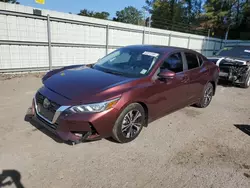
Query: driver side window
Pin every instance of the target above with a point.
(173, 63)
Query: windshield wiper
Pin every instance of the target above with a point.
(113, 72)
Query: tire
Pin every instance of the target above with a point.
(207, 96)
(246, 81)
(128, 126)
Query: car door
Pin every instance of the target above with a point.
(170, 94)
(196, 73)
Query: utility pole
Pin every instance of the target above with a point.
(144, 27)
(149, 25)
(226, 36)
(149, 21)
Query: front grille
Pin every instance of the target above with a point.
(48, 112)
(47, 124)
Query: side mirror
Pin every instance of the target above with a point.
(166, 74)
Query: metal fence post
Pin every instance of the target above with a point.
(215, 42)
(203, 50)
(188, 42)
(221, 43)
(208, 40)
(143, 36)
(49, 42)
(169, 39)
(107, 39)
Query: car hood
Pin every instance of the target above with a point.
(82, 82)
(233, 58)
(218, 59)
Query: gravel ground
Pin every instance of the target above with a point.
(189, 148)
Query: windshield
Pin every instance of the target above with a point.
(240, 52)
(128, 62)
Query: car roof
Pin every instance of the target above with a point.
(159, 48)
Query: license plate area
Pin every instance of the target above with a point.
(223, 74)
(46, 113)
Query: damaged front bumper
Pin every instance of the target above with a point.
(77, 128)
(232, 70)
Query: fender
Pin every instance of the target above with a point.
(218, 62)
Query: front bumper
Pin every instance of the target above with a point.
(78, 127)
(223, 75)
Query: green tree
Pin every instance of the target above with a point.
(164, 13)
(129, 15)
(10, 1)
(180, 15)
(241, 30)
(223, 15)
(197, 16)
(100, 15)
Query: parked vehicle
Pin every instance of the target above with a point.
(234, 63)
(123, 92)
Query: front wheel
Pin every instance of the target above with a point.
(129, 124)
(246, 82)
(207, 96)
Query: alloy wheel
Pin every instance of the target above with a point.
(132, 123)
(208, 95)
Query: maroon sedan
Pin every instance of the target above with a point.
(123, 92)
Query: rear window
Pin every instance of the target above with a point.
(192, 60)
(200, 60)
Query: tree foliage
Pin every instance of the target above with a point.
(100, 15)
(242, 30)
(200, 15)
(221, 16)
(175, 14)
(10, 1)
(129, 15)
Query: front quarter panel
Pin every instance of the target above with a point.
(143, 93)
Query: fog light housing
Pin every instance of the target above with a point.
(80, 135)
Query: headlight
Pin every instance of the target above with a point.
(96, 107)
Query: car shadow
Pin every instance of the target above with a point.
(13, 175)
(110, 139)
(244, 128)
(225, 83)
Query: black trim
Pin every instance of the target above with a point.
(45, 124)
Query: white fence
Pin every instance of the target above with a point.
(52, 39)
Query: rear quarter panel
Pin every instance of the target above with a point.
(213, 72)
